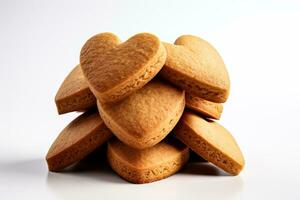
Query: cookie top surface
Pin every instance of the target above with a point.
(150, 112)
(165, 151)
(212, 70)
(73, 84)
(197, 60)
(76, 131)
(114, 67)
(214, 134)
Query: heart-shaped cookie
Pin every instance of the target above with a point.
(74, 93)
(206, 108)
(211, 141)
(144, 118)
(114, 71)
(195, 66)
(147, 165)
(77, 140)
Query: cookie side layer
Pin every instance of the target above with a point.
(203, 107)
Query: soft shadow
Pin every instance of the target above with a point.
(212, 182)
(94, 179)
(99, 171)
(194, 157)
(33, 168)
(84, 179)
(93, 167)
(203, 168)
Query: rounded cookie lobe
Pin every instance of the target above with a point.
(147, 165)
(195, 66)
(211, 141)
(144, 118)
(206, 108)
(74, 93)
(121, 69)
(78, 139)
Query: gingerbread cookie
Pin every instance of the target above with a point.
(74, 93)
(77, 140)
(114, 70)
(211, 141)
(206, 108)
(195, 66)
(144, 118)
(147, 165)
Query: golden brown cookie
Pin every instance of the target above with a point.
(211, 141)
(74, 93)
(78, 139)
(195, 66)
(114, 71)
(144, 118)
(147, 165)
(206, 108)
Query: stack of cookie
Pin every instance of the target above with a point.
(151, 102)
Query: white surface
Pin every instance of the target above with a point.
(259, 41)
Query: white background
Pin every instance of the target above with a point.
(259, 41)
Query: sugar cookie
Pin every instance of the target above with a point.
(74, 93)
(206, 108)
(114, 71)
(144, 118)
(78, 139)
(195, 66)
(211, 141)
(147, 165)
